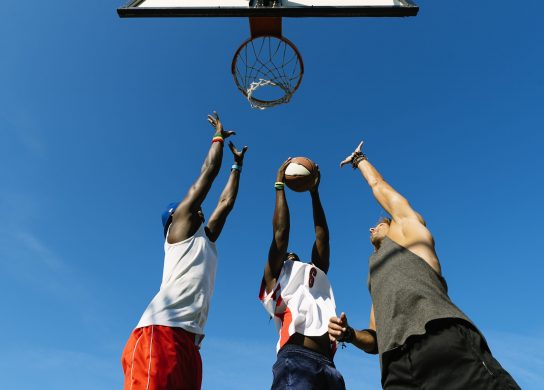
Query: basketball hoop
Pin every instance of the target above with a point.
(267, 68)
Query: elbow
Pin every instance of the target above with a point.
(281, 235)
(227, 204)
(322, 237)
(375, 183)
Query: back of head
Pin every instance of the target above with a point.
(167, 216)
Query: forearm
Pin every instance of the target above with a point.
(392, 202)
(320, 221)
(281, 221)
(212, 162)
(370, 174)
(365, 340)
(230, 192)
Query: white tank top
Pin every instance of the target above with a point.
(301, 301)
(187, 285)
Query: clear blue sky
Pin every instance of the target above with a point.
(103, 122)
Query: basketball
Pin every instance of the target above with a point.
(301, 174)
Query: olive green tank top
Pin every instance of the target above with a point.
(407, 293)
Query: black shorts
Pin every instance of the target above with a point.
(451, 355)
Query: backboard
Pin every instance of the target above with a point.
(281, 8)
(267, 68)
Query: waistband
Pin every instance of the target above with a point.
(197, 338)
(299, 349)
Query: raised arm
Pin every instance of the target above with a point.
(392, 202)
(280, 236)
(365, 339)
(228, 197)
(321, 248)
(185, 220)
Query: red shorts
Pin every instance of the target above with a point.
(161, 358)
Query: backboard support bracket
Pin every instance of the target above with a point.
(265, 26)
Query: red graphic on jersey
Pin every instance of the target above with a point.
(311, 280)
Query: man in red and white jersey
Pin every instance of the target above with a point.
(300, 299)
(162, 353)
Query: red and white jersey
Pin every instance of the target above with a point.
(187, 285)
(301, 301)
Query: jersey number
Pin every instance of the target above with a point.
(311, 278)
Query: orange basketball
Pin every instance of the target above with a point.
(301, 174)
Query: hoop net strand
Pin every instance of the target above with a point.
(267, 63)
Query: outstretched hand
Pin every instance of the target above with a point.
(280, 177)
(337, 327)
(216, 123)
(238, 155)
(349, 158)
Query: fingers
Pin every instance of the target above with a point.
(335, 328)
(358, 149)
(344, 319)
(347, 160)
(213, 119)
(237, 154)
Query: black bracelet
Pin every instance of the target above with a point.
(347, 336)
(357, 158)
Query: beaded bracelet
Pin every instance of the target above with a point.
(357, 158)
(279, 185)
(217, 138)
(237, 167)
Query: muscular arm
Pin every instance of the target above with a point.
(227, 198)
(200, 188)
(392, 202)
(321, 248)
(280, 236)
(407, 227)
(185, 220)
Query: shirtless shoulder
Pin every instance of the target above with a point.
(413, 235)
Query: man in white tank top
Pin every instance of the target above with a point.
(299, 297)
(162, 352)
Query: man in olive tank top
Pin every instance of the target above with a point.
(423, 339)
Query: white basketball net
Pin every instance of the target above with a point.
(267, 63)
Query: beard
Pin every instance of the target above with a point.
(376, 240)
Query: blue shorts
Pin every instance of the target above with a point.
(300, 368)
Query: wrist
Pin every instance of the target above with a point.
(348, 336)
(357, 158)
(279, 185)
(218, 137)
(236, 167)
